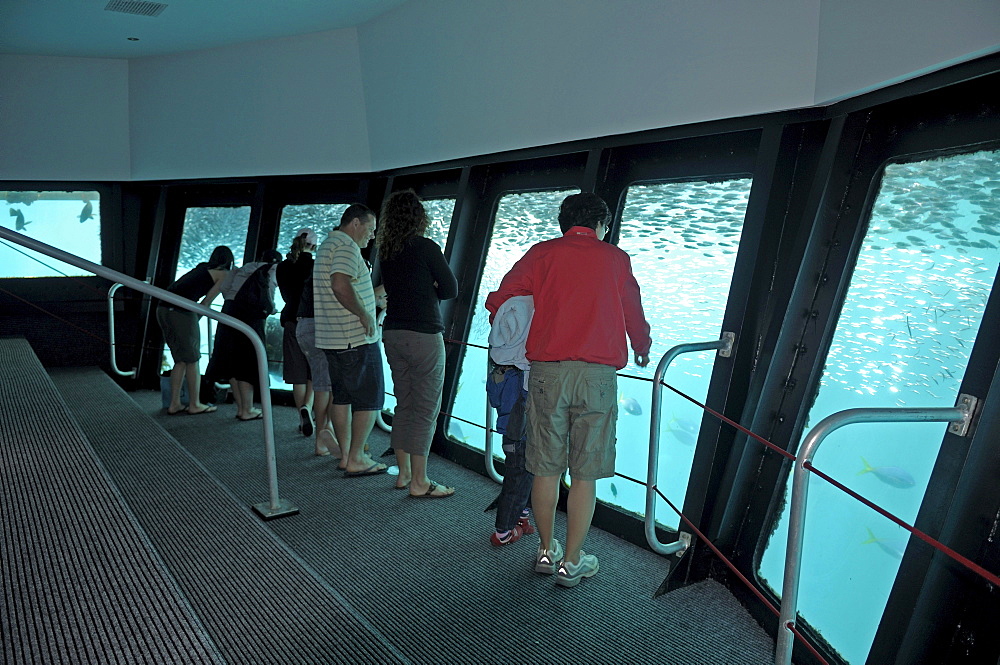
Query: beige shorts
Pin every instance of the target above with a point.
(572, 413)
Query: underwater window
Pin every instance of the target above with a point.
(70, 221)
(204, 230)
(682, 238)
(522, 219)
(439, 214)
(321, 218)
(910, 318)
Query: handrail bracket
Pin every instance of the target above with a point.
(968, 405)
(729, 340)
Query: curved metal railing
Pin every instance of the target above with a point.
(275, 506)
(958, 415)
(111, 331)
(724, 345)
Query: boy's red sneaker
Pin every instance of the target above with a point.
(512, 536)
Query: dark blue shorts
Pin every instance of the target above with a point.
(356, 377)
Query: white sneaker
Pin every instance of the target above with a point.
(569, 574)
(546, 561)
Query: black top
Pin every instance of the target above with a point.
(194, 284)
(305, 310)
(291, 276)
(409, 279)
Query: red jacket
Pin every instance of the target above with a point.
(586, 299)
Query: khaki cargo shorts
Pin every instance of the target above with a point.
(572, 413)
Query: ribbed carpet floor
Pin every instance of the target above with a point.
(419, 575)
(81, 582)
(255, 597)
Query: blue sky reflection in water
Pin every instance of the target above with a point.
(910, 319)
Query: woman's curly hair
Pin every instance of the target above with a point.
(403, 217)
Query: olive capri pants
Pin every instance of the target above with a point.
(417, 364)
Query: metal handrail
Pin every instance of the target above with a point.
(725, 346)
(491, 468)
(275, 507)
(800, 489)
(379, 419)
(111, 331)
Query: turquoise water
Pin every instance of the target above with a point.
(70, 221)
(909, 322)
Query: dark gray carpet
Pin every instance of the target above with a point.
(256, 598)
(81, 583)
(424, 573)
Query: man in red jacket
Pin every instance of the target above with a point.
(586, 301)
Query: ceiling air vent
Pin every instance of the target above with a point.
(140, 7)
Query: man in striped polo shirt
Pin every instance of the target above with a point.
(344, 302)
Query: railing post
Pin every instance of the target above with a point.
(275, 507)
(800, 491)
(111, 331)
(724, 346)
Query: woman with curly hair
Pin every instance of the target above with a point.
(416, 278)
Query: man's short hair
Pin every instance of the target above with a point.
(584, 209)
(355, 210)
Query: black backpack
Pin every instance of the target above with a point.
(254, 297)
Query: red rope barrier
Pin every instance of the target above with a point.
(971, 565)
(775, 448)
(461, 343)
(976, 568)
(982, 572)
(729, 564)
(454, 417)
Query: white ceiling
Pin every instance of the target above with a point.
(83, 28)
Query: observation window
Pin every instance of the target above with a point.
(522, 219)
(439, 214)
(321, 218)
(682, 238)
(70, 221)
(910, 319)
(204, 230)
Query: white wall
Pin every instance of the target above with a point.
(280, 106)
(63, 118)
(865, 45)
(442, 79)
(452, 78)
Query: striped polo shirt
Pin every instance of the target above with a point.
(336, 327)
